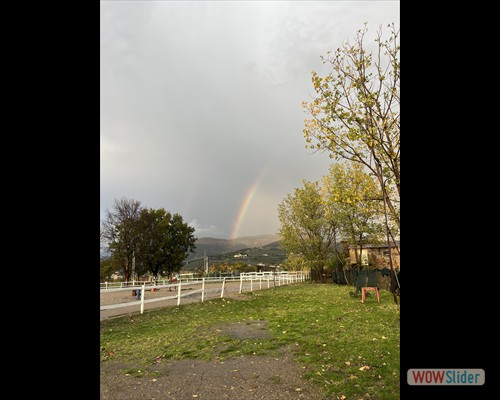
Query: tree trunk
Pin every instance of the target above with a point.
(126, 272)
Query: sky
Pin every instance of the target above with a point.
(201, 104)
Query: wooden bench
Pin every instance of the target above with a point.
(365, 288)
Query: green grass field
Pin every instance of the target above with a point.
(348, 348)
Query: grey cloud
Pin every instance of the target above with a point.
(198, 98)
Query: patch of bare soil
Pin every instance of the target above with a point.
(245, 330)
(239, 378)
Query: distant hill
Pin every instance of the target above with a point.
(251, 250)
(268, 254)
(213, 246)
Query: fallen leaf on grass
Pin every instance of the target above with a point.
(364, 368)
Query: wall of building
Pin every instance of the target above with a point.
(378, 256)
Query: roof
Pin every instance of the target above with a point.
(377, 246)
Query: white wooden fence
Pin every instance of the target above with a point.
(162, 282)
(249, 281)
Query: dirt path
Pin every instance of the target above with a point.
(241, 378)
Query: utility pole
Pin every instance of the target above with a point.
(133, 264)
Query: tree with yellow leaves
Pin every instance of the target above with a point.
(308, 234)
(355, 115)
(351, 196)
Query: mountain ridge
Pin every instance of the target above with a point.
(214, 246)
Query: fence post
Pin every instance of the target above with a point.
(251, 283)
(143, 289)
(179, 293)
(268, 281)
(203, 290)
(260, 282)
(106, 284)
(222, 290)
(241, 282)
(121, 285)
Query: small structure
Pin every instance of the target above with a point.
(374, 270)
(376, 255)
(239, 255)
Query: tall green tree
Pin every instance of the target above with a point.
(120, 231)
(164, 241)
(305, 228)
(356, 112)
(295, 262)
(353, 197)
(107, 268)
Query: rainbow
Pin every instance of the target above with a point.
(244, 206)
